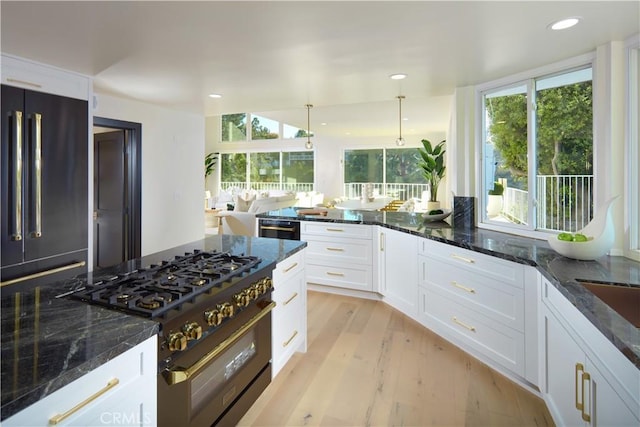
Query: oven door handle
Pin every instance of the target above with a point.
(178, 374)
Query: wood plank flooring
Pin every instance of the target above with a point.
(369, 365)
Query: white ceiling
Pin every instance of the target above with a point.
(276, 56)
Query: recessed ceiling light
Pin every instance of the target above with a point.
(398, 76)
(563, 24)
(215, 95)
(323, 123)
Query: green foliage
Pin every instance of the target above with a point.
(432, 165)
(564, 127)
(234, 167)
(261, 132)
(363, 165)
(234, 127)
(209, 163)
(498, 189)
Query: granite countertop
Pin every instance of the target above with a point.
(562, 272)
(48, 341)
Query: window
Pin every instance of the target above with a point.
(264, 128)
(234, 127)
(633, 148)
(538, 145)
(274, 170)
(393, 172)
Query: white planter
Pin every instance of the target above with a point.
(494, 205)
(432, 206)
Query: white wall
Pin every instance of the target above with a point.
(172, 170)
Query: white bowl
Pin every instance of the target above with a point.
(586, 251)
(437, 217)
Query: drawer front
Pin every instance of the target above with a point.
(339, 250)
(499, 301)
(114, 384)
(335, 230)
(498, 342)
(475, 262)
(289, 322)
(344, 277)
(288, 268)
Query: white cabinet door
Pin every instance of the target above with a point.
(398, 263)
(564, 369)
(606, 408)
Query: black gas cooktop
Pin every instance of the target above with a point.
(153, 291)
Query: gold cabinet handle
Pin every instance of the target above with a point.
(267, 227)
(61, 417)
(288, 269)
(287, 342)
(586, 377)
(461, 258)
(335, 229)
(579, 405)
(464, 288)
(24, 82)
(290, 299)
(464, 325)
(178, 374)
(37, 164)
(335, 249)
(330, 273)
(17, 196)
(43, 273)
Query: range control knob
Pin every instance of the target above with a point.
(177, 341)
(268, 283)
(213, 317)
(192, 331)
(226, 309)
(242, 299)
(257, 289)
(252, 292)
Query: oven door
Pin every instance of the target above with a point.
(279, 229)
(218, 386)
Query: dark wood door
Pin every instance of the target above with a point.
(110, 210)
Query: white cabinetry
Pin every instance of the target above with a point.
(120, 392)
(580, 388)
(398, 270)
(478, 302)
(289, 317)
(339, 255)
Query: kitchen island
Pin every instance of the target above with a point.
(50, 340)
(562, 272)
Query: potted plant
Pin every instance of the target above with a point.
(433, 168)
(209, 163)
(494, 203)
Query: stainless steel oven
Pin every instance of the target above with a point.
(279, 229)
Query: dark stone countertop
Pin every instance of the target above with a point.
(48, 341)
(562, 272)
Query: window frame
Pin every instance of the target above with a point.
(527, 78)
(632, 151)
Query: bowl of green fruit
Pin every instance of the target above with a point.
(436, 215)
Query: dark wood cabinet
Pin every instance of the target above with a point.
(44, 182)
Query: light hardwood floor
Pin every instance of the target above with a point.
(369, 365)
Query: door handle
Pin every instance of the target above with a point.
(579, 405)
(17, 196)
(37, 164)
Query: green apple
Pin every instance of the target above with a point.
(566, 237)
(580, 238)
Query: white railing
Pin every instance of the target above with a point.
(397, 191)
(267, 186)
(564, 202)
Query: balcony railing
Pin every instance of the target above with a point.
(353, 190)
(269, 186)
(564, 202)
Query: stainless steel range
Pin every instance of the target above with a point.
(214, 351)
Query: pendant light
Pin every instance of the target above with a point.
(308, 144)
(400, 140)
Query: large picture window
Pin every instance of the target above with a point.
(393, 172)
(273, 170)
(538, 153)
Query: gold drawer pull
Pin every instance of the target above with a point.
(286, 270)
(586, 377)
(464, 325)
(335, 249)
(461, 258)
(335, 229)
(287, 342)
(43, 273)
(579, 405)
(464, 288)
(61, 417)
(23, 82)
(290, 299)
(330, 273)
